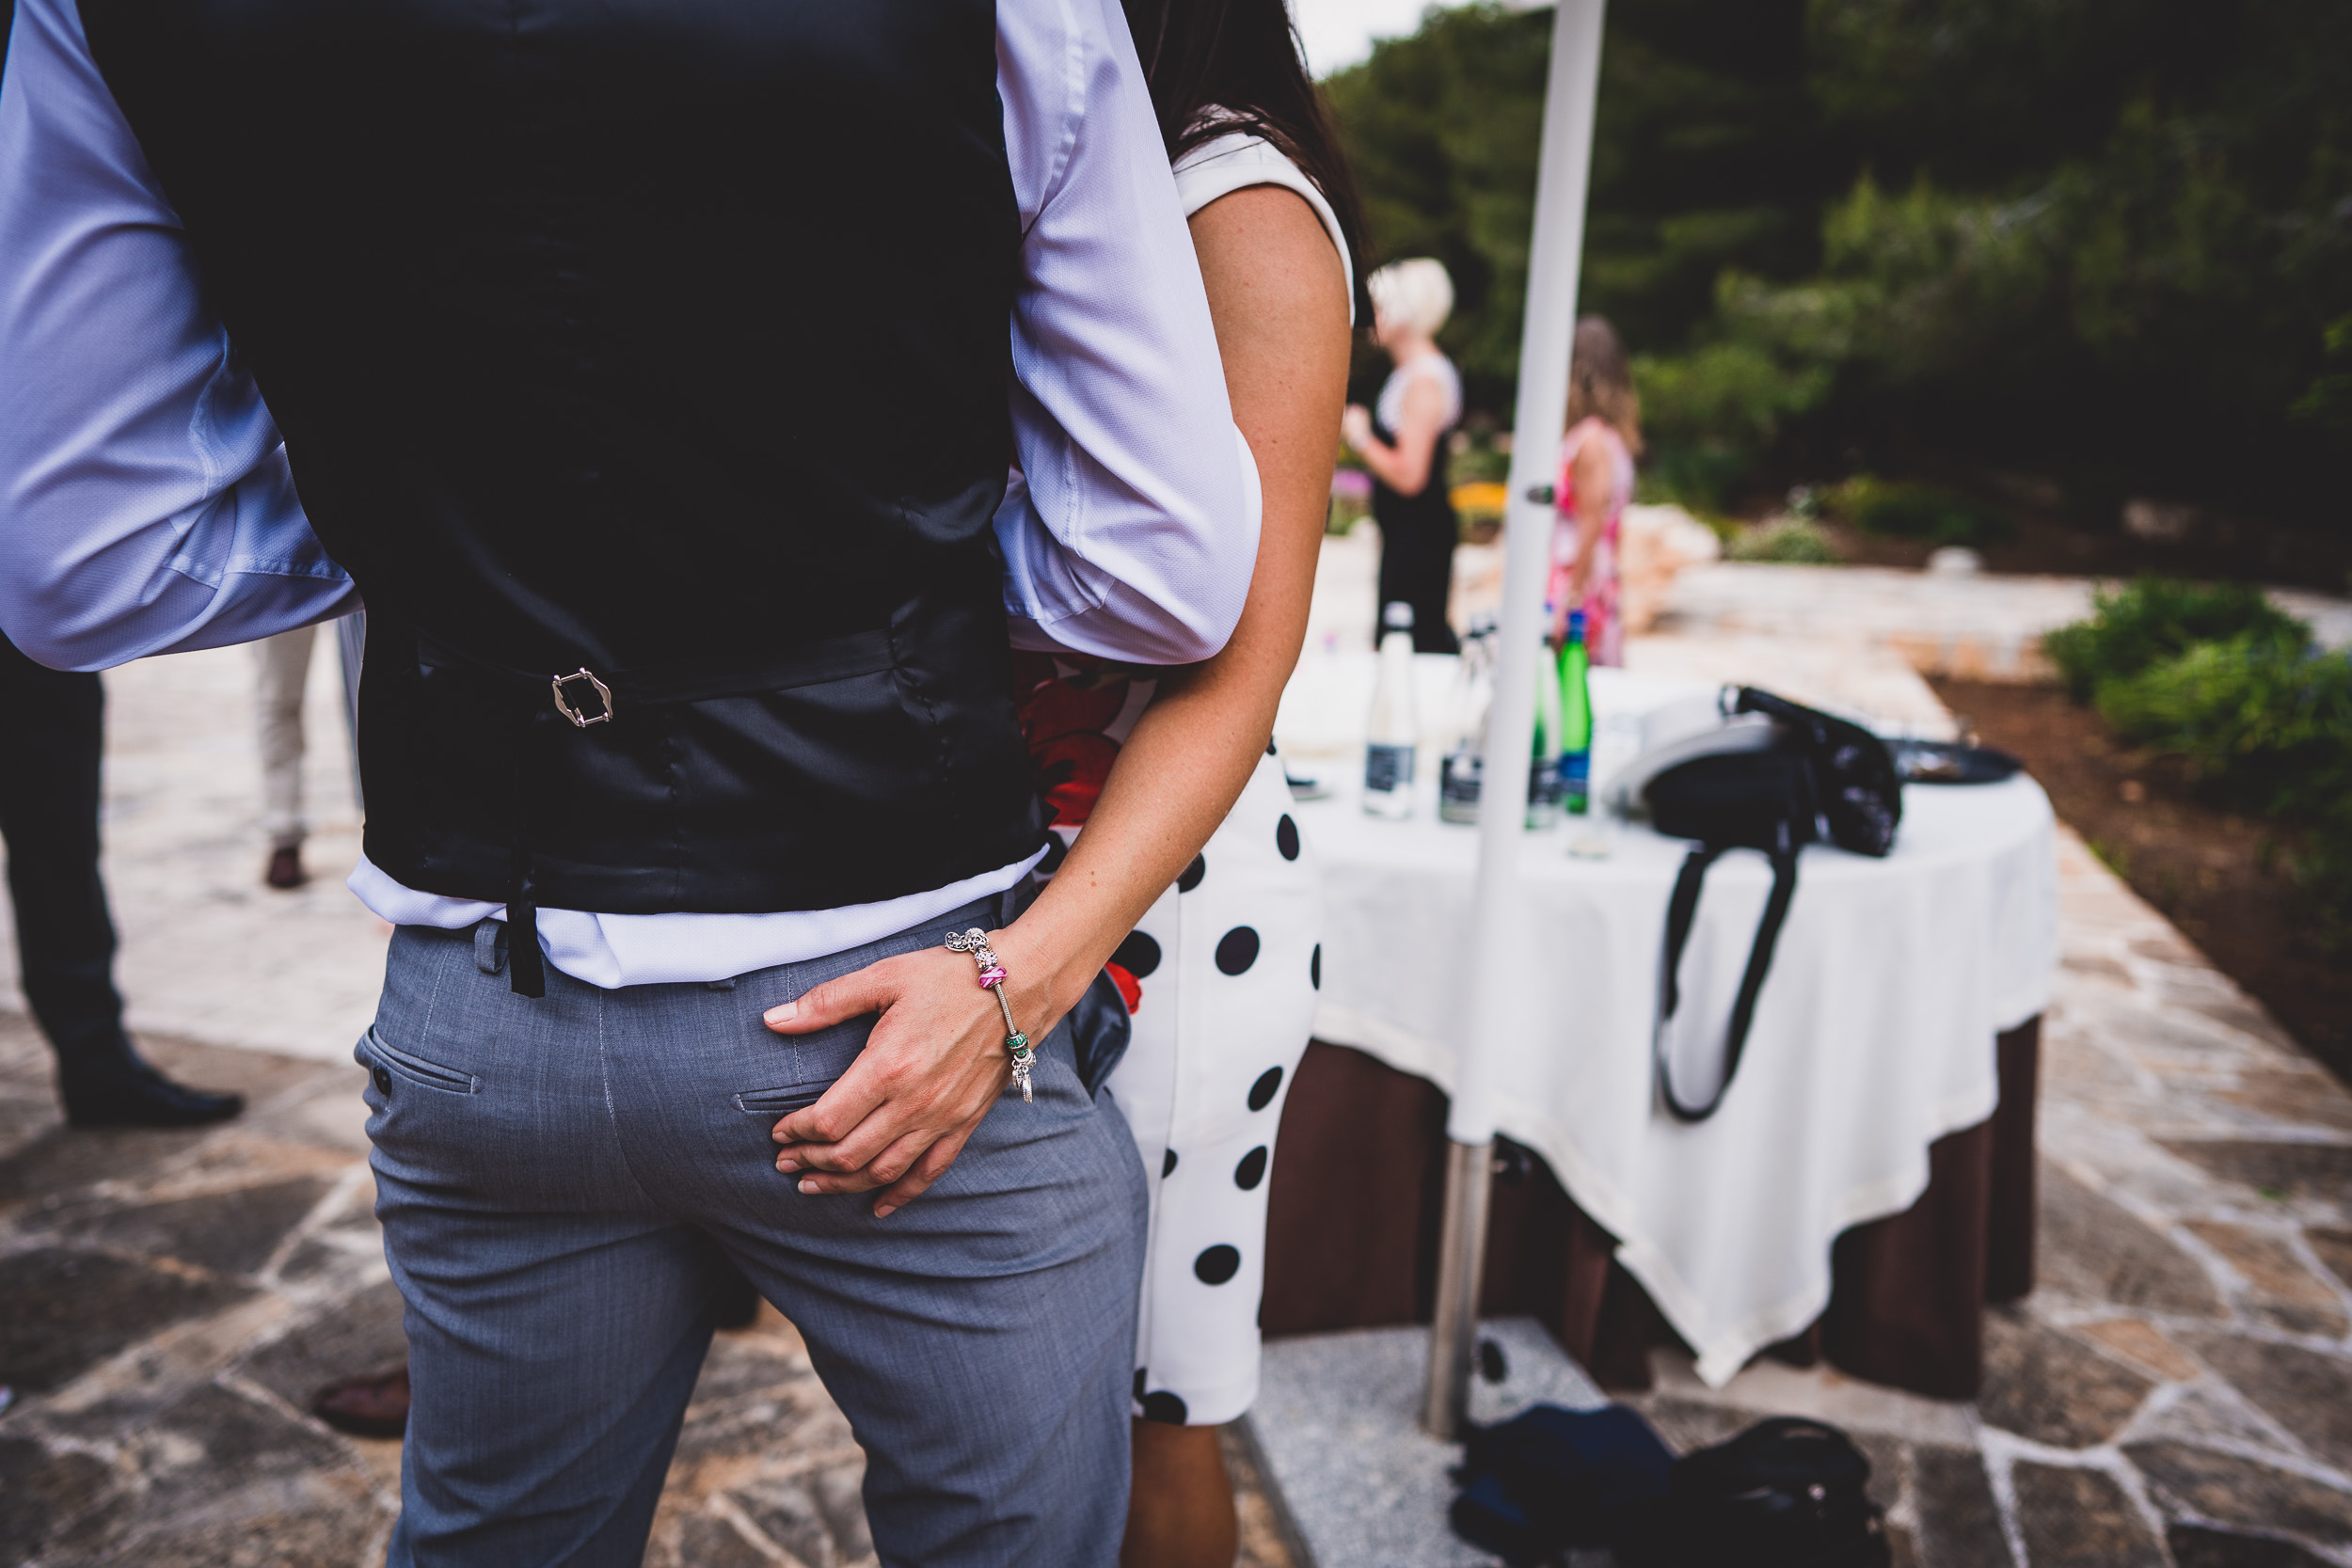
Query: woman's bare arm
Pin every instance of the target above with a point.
(1594, 479)
(1404, 467)
(1279, 300)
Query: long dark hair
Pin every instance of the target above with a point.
(1219, 66)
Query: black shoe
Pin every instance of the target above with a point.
(138, 1095)
(284, 871)
(373, 1404)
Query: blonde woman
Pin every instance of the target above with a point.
(1596, 483)
(1402, 440)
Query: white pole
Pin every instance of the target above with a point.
(1553, 260)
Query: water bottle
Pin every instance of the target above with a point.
(1465, 762)
(1543, 763)
(1575, 719)
(1395, 727)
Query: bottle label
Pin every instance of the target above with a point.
(1576, 770)
(1388, 768)
(1543, 782)
(1457, 787)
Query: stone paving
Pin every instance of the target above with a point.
(207, 953)
(2178, 1391)
(173, 1299)
(1961, 624)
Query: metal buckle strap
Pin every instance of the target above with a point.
(563, 704)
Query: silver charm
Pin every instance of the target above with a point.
(974, 942)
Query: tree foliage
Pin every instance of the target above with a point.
(2108, 239)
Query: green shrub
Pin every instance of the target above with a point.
(2267, 724)
(1709, 412)
(1897, 511)
(1783, 542)
(2267, 721)
(2156, 619)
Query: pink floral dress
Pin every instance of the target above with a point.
(1604, 633)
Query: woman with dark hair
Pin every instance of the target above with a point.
(1596, 482)
(1220, 971)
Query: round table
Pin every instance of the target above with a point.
(1874, 1035)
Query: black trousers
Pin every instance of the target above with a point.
(65, 940)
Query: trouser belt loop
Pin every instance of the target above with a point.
(525, 972)
(489, 945)
(526, 968)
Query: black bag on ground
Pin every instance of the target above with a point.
(1821, 777)
(1550, 1479)
(1787, 1493)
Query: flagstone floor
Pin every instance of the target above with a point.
(2177, 1391)
(173, 1299)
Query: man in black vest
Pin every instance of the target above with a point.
(650, 369)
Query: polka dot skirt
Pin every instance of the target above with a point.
(1226, 963)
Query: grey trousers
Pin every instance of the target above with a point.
(558, 1179)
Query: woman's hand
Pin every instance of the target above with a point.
(1356, 426)
(935, 1065)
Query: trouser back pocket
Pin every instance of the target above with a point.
(779, 1103)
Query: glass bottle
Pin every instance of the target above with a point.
(1395, 728)
(1465, 762)
(1575, 719)
(1543, 763)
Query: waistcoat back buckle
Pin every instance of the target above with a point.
(564, 704)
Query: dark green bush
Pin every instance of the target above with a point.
(2156, 619)
(2267, 721)
(2268, 725)
(1897, 511)
(1786, 542)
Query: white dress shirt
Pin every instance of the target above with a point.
(147, 505)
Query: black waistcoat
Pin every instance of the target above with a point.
(662, 339)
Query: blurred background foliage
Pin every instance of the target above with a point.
(2107, 242)
(2221, 678)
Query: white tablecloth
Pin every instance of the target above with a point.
(1873, 1037)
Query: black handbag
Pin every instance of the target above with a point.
(1787, 1493)
(1551, 1478)
(1820, 778)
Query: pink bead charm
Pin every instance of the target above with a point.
(990, 977)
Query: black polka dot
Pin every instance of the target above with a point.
(1286, 837)
(1193, 873)
(1167, 1164)
(1217, 1264)
(1140, 1383)
(1261, 1092)
(1056, 852)
(1163, 1406)
(1314, 968)
(1251, 1170)
(1138, 955)
(1236, 950)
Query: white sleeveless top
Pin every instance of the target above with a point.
(1437, 367)
(1240, 159)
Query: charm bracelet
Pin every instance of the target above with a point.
(975, 942)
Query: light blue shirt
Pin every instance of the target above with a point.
(147, 505)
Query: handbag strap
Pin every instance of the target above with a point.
(1681, 912)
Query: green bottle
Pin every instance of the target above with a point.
(1575, 719)
(1543, 765)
